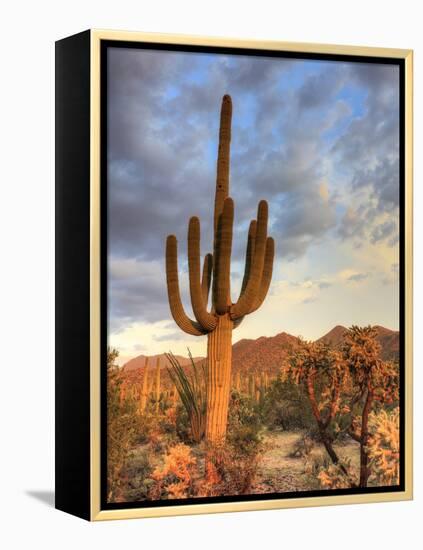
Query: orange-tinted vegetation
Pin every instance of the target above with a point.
(301, 416)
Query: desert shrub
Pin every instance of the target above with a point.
(332, 476)
(145, 425)
(231, 469)
(167, 420)
(245, 439)
(384, 447)
(243, 412)
(122, 425)
(302, 447)
(137, 475)
(313, 465)
(160, 426)
(182, 425)
(321, 473)
(245, 429)
(177, 477)
(285, 407)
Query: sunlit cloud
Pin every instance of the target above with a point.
(318, 141)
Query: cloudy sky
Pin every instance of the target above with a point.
(317, 139)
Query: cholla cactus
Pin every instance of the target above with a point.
(384, 446)
(223, 315)
(376, 380)
(313, 364)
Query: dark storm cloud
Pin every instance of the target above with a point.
(160, 171)
(321, 87)
(137, 291)
(163, 118)
(369, 151)
(307, 218)
(382, 180)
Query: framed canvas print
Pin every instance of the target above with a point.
(234, 275)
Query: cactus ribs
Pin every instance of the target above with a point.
(223, 316)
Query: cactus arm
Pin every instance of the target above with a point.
(221, 281)
(206, 277)
(174, 296)
(267, 273)
(248, 259)
(247, 300)
(206, 320)
(249, 254)
(222, 178)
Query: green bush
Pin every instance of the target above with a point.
(284, 406)
(137, 477)
(183, 425)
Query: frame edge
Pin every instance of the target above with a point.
(96, 513)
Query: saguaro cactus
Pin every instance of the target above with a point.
(238, 381)
(251, 386)
(223, 315)
(145, 388)
(157, 384)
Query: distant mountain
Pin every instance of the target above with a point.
(334, 337)
(265, 354)
(390, 342)
(388, 339)
(132, 371)
(139, 361)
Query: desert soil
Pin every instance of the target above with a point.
(281, 472)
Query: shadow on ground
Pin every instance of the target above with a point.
(46, 497)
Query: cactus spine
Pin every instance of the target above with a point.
(223, 316)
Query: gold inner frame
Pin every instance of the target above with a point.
(95, 355)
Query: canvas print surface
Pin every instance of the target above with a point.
(253, 271)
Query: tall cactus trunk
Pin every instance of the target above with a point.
(223, 315)
(219, 357)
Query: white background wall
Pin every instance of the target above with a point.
(28, 32)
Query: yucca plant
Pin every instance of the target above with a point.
(192, 392)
